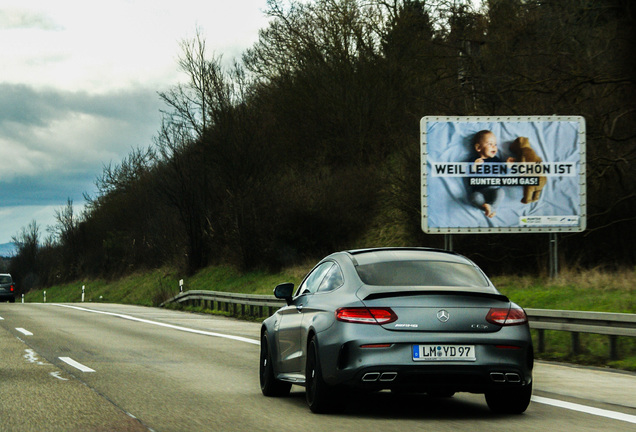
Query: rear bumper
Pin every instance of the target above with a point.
(438, 378)
(503, 359)
(4, 296)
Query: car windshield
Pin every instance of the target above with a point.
(5, 279)
(421, 273)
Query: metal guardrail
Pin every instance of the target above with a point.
(233, 303)
(575, 322)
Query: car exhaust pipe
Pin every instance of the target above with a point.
(371, 377)
(513, 378)
(498, 377)
(377, 376)
(388, 376)
(509, 377)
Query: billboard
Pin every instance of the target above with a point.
(503, 174)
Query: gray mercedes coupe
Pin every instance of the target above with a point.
(405, 319)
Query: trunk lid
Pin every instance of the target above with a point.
(440, 309)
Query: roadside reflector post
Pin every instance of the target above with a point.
(22, 298)
(83, 289)
(44, 296)
(181, 285)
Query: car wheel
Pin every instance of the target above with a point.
(321, 397)
(270, 386)
(509, 401)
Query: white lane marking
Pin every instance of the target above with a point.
(1, 319)
(175, 327)
(23, 331)
(69, 361)
(32, 357)
(585, 409)
(57, 375)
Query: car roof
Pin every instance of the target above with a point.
(375, 255)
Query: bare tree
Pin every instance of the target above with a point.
(27, 240)
(24, 266)
(197, 104)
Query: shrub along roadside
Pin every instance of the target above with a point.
(591, 290)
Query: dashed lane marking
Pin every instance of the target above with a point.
(69, 361)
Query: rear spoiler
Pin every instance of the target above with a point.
(367, 293)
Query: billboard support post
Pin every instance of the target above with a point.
(554, 255)
(448, 242)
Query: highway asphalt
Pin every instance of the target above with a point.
(106, 367)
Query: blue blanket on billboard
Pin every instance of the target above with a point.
(448, 200)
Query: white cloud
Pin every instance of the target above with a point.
(24, 19)
(16, 218)
(79, 83)
(49, 132)
(115, 44)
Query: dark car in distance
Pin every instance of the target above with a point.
(7, 288)
(405, 319)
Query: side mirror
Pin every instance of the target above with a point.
(284, 291)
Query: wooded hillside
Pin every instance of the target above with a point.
(310, 144)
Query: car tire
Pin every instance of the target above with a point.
(511, 401)
(321, 397)
(270, 386)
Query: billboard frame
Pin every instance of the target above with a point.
(581, 175)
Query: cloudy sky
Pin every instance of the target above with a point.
(78, 88)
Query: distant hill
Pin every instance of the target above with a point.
(7, 249)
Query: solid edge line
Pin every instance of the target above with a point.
(172, 326)
(585, 409)
(69, 361)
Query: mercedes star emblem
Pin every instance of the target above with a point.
(443, 316)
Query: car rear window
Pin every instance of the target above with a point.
(421, 273)
(5, 279)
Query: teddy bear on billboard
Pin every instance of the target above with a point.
(523, 152)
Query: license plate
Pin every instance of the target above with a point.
(444, 353)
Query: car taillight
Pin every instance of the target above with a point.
(362, 315)
(11, 288)
(507, 317)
